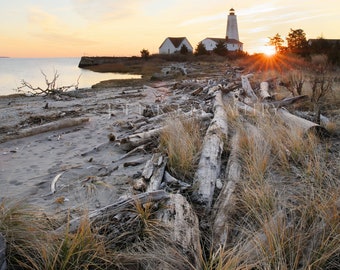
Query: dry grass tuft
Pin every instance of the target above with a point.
(181, 140)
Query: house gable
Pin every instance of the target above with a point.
(174, 44)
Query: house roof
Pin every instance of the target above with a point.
(228, 41)
(332, 41)
(233, 41)
(216, 39)
(176, 41)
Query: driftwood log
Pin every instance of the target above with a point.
(226, 201)
(180, 218)
(132, 141)
(113, 209)
(264, 87)
(300, 123)
(158, 167)
(247, 87)
(56, 125)
(210, 161)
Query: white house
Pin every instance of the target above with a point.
(230, 44)
(174, 44)
(210, 43)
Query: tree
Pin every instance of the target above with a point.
(221, 49)
(297, 42)
(184, 49)
(200, 49)
(144, 54)
(277, 42)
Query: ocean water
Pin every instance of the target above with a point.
(14, 70)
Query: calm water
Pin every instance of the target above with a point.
(13, 70)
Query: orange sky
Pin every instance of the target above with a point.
(40, 28)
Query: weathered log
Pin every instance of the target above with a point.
(113, 209)
(247, 87)
(159, 163)
(226, 201)
(264, 87)
(288, 101)
(182, 222)
(209, 165)
(244, 108)
(300, 123)
(138, 139)
(174, 183)
(56, 125)
(310, 116)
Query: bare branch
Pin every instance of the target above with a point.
(51, 86)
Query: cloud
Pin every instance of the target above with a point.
(258, 29)
(100, 10)
(52, 29)
(203, 19)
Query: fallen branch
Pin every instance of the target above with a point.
(56, 125)
(115, 208)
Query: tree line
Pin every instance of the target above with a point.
(298, 44)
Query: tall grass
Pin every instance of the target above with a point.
(181, 140)
(287, 207)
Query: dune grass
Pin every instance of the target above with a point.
(287, 209)
(181, 141)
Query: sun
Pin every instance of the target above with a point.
(269, 50)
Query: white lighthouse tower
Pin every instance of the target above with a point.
(232, 29)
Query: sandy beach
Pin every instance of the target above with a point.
(87, 165)
(90, 171)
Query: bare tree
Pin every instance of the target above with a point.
(51, 86)
(322, 83)
(295, 82)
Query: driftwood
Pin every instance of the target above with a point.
(132, 141)
(226, 201)
(115, 208)
(56, 125)
(210, 161)
(173, 183)
(324, 121)
(247, 87)
(54, 182)
(300, 123)
(182, 222)
(287, 101)
(264, 87)
(159, 163)
(135, 140)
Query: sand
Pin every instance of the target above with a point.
(89, 168)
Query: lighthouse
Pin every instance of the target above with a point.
(232, 29)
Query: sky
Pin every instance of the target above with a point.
(74, 28)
